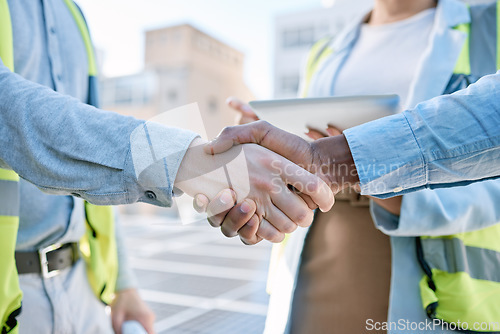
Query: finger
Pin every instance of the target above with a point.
(333, 130)
(248, 233)
(306, 183)
(237, 217)
(243, 108)
(219, 206)
(305, 198)
(293, 207)
(200, 203)
(268, 232)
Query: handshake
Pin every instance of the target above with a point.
(278, 182)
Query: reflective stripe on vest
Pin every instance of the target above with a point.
(98, 243)
(461, 284)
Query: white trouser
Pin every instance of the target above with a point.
(64, 304)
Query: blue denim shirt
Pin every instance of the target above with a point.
(61, 145)
(446, 141)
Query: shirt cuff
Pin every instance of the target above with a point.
(156, 152)
(387, 157)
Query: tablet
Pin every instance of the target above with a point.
(295, 115)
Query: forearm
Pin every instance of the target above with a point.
(66, 147)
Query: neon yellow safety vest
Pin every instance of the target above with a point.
(461, 285)
(98, 246)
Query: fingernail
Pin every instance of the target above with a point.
(199, 202)
(245, 207)
(226, 197)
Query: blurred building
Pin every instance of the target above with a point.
(181, 65)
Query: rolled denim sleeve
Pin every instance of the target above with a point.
(447, 141)
(66, 147)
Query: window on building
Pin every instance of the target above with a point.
(298, 37)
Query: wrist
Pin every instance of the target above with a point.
(333, 161)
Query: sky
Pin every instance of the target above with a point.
(117, 28)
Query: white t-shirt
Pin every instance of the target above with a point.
(384, 58)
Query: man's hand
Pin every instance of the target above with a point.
(266, 180)
(128, 305)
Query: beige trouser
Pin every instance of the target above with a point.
(344, 277)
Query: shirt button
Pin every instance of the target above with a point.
(52, 30)
(150, 194)
(398, 189)
(59, 77)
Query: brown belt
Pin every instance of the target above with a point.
(48, 261)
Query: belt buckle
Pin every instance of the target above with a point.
(44, 263)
